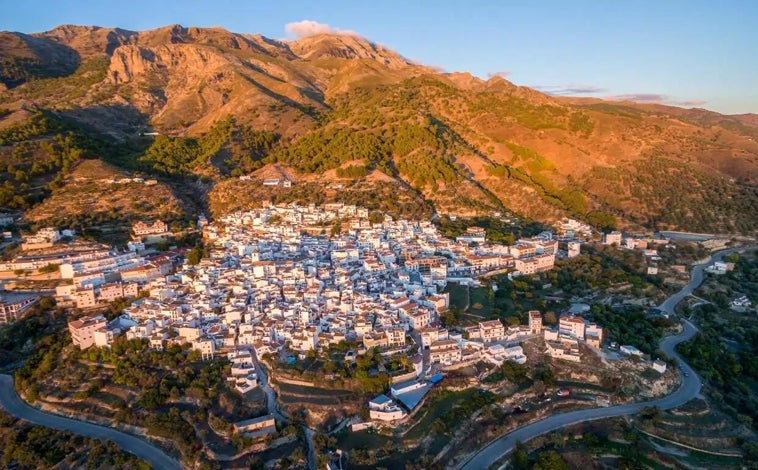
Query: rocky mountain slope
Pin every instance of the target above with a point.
(347, 119)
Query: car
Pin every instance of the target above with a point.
(686, 374)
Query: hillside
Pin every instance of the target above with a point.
(350, 120)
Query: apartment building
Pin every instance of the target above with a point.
(83, 330)
(612, 238)
(395, 337)
(535, 322)
(572, 326)
(491, 330)
(13, 305)
(444, 351)
(141, 228)
(594, 335)
(535, 264)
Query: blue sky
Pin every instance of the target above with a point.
(690, 53)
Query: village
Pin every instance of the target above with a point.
(273, 284)
(272, 287)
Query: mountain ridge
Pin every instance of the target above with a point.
(343, 106)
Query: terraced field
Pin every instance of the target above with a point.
(291, 394)
(324, 407)
(694, 435)
(696, 425)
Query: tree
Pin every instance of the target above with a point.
(539, 387)
(602, 220)
(376, 217)
(520, 456)
(195, 255)
(336, 229)
(298, 455)
(50, 268)
(732, 258)
(450, 317)
(550, 460)
(550, 318)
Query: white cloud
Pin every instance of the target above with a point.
(501, 74)
(656, 98)
(305, 28)
(569, 90)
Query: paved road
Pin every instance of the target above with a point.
(273, 409)
(689, 388)
(311, 457)
(271, 405)
(12, 403)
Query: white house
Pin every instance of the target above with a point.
(383, 408)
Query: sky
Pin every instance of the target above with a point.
(693, 53)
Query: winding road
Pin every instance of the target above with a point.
(688, 389)
(14, 405)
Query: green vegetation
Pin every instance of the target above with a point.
(446, 410)
(481, 300)
(442, 415)
(171, 156)
(328, 148)
(601, 220)
(581, 123)
(496, 229)
(170, 391)
(516, 373)
(616, 110)
(362, 376)
(40, 123)
(352, 171)
(50, 268)
(243, 147)
(674, 195)
(527, 166)
(390, 129)
(183, 156)
(195, 255)
(18, 339)
(26, 446)
(49, 88)
(459, 298)
(631, 325)
(725, 348)
(36, 154)
(527, 114)
(600, 269)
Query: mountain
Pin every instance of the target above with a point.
(347, 119)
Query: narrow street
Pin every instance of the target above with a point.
(309, 433)
(271, 405)
(273, 409)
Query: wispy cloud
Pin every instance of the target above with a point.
(568, 90)
(501, 74)
(649, 98)
(640, 97)
(689, 103)
(305, 28)
(656, 98)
